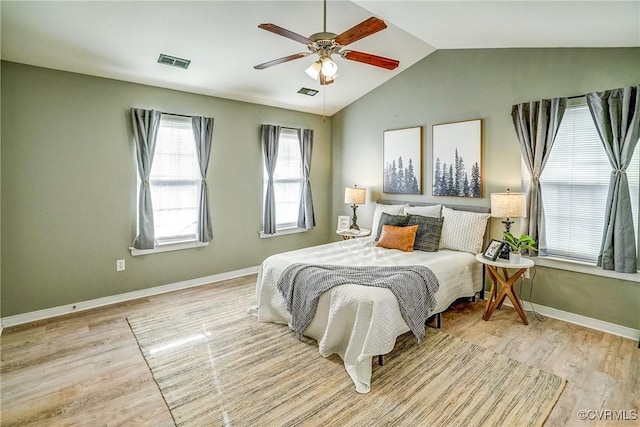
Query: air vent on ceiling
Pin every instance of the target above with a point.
(173, 61)
(307, 91)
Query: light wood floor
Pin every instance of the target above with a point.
(86, 368)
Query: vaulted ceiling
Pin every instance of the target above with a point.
(123, 39)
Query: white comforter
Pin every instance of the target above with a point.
(359, 322)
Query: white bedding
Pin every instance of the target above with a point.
(359, 322)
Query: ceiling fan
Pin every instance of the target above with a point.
(326, 44)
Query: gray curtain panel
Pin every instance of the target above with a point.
(203, 132)
(306, 218)
(270, 136)
(145, 130)
(616, 114)
(536, 125)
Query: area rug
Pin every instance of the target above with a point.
(216, 365)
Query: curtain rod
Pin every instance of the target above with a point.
(175, 114)
(184, 115)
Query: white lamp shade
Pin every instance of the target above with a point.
(329, 68)
(508, 205)
(355, 196)
(314, 70)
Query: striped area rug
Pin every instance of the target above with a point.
(216, 365)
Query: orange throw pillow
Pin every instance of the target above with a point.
(394, 237)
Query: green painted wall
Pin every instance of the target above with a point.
(0, 188)
(69, 188)
(456, 85)
(611, 300)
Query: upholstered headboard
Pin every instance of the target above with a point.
(468, 208)
(483, 209)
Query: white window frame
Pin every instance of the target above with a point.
(176, 242)
(589, 266)
(287, 136)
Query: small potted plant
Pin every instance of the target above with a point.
(517, 244)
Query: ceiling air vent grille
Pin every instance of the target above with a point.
(307, 91)
(173, 61)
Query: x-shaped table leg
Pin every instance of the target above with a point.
(502, 287)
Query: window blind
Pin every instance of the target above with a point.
(287, 179)
(175, 180)
(575, 184)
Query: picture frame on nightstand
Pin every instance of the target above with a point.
(343, 223)
(493, 249)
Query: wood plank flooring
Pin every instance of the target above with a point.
(86, 368)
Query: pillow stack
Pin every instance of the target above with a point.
(428, 228)
(408, 228)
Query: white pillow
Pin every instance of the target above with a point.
(463, 231)
(390, 209)
(431, 211)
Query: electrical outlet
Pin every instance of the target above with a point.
(120, 265)
(526, 274)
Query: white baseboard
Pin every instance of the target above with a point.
(5, 322)
(20, 319)
(577, 319)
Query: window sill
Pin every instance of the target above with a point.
(581, 267)
(169, 247)
(282, 232)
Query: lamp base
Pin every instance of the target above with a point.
(504, 252)
(354, 224)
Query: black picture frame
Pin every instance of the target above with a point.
(493, 249)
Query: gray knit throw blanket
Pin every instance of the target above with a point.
(414, 286)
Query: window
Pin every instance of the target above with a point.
(175, 181)
(287, 180)
(575, 184)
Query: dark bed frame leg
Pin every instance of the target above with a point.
(380, 360)
(483, 277)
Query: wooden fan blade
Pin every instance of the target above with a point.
(285, 33)
(363, 29)
(280, 61)
(367, 58)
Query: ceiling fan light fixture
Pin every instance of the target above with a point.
(326, 80)
(314, 70)
(329, 68)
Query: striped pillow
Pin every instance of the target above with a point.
(463, 231)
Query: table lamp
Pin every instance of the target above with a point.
(354, 196)
(508, 205)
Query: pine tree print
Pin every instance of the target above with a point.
(437, 179)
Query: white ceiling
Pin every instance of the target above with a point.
(122, 39)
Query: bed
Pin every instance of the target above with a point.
(360, 322)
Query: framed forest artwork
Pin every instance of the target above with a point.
(457, 159)
(402, 161)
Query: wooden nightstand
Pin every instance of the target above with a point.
(352, 234)
(502, 284)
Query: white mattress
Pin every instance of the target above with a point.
(359, 322)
